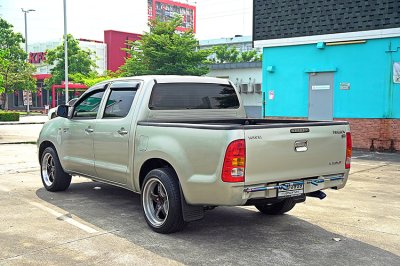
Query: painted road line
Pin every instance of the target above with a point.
(64, 217)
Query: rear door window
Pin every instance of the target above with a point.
(181, 96)
(120, 100)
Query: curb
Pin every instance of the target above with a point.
(21, 123)
(18, 142)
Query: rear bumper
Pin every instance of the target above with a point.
(335, 181)
(236, 194)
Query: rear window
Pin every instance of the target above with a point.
(178, 96)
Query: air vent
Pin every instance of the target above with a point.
(257, 87)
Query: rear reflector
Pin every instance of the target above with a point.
(348, 150)
(234, 166)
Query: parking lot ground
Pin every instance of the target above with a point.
(87, 226)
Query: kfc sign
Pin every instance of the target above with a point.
(37, 58)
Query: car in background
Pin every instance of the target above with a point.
(53, 111)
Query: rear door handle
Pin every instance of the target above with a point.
(122, 131)
(89, 130)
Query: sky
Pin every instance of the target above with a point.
(89, 18)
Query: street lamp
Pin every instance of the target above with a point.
(65, 52)
(26, 43)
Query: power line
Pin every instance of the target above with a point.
(223, 15)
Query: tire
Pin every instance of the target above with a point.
(161, 201)
(53, 115)
(276, 208)
(53, 176)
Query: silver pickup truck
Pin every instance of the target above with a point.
(186, 145)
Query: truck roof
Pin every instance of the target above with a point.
(176, 78)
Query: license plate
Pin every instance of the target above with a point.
(290, 189)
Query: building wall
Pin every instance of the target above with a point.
(367, 67)
(116, 41)
(252, 101)
(99, 48)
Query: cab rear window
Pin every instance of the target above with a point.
(181, 96)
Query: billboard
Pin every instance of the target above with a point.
(167, 9)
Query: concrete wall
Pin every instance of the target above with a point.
(366, 66)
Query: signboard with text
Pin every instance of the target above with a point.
(27, 97)
(37, 57)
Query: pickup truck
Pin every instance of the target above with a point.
(185, 144)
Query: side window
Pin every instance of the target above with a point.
(89, 107)
(121, 98)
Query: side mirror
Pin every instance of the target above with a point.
(62, 110)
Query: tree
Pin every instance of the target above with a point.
(15, 72)
(249, 56)
(79, 61)
(93, 78)
(225, 54)
(163, 50)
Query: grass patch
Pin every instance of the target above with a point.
(9, 116)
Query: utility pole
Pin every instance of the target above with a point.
(65, 52)
(26, 49)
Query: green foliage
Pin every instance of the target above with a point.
(92, 78)
(79, 61)
(226, 54)
(249, 56)
(9, 116)
(163, 51)
(15, 72)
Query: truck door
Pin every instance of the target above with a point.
(77, 134)
(113, 138)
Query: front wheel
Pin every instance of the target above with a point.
(161, 201)
(53, 176)
(277, 208)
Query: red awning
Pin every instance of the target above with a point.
(41, 76)
(71, 86)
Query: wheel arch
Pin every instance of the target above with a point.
(151, 164)
(45, 144)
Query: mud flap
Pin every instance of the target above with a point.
(191, 212)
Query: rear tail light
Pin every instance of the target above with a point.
(348, 150)
(234, 162)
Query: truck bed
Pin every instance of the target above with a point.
(239, 123)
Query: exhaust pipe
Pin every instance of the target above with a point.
(317, 194)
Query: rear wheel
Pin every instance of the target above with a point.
(53, 176)
(276, 208)
(161, 201)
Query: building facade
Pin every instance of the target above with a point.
(333, 60)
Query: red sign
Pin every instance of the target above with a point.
(37, 58)
(164, 10)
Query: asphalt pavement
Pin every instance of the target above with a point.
(93, 223)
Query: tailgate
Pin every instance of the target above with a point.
(290, 153)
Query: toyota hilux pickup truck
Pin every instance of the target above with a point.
(185, 144)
